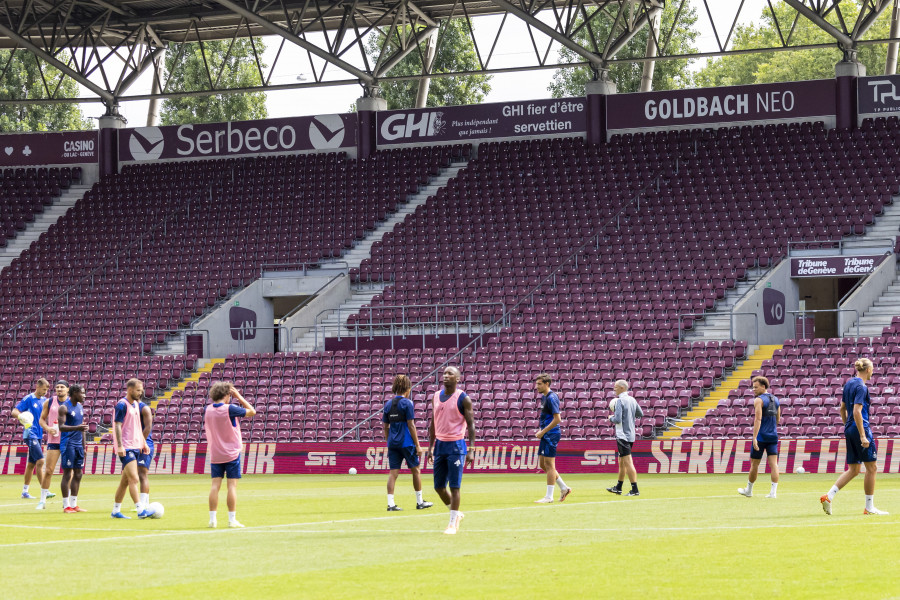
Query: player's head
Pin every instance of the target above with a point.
(864, 368)
(543, 382)
(401, 385)
(41, 387)
(62, 389)
(620, 386)
(220, 391)
(76, 393)
(134, 388)
(760, 385)
(451, 376)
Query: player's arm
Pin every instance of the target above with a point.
(556, 421)
(251, 412)
(857, 418)
(147, 415)
(118, 419)
(843, 413)
(757, 419)
(411, 425)
(431, 438)
(638, 411)
(616, 417)
(45, 413)
(469, 415)
(16, 414)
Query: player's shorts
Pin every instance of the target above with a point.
(145, 460)
(73, 456)
(52, 447)
(35, 452)
(231, 470)
(548, 444)
(855, 452)
(130, 456)
(770, 448)
(396, 456)
(623, 447)
(448, 470)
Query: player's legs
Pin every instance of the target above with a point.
(129, 481)
(144, 482)
(772, 459)
(416, 478)
(64, 485)
(75, 483)
(455, 498)
(231, 498)
(847, 476)
(754, 470)
(549, 467)
(869, 481)
(50, 462)
(628, 466)
(392, 480)
(214, 493)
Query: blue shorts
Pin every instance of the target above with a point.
(448, 470)
(73, 456)
(35, 453)
(231, 470)
(855, 452)
(548, 444)
(770, 448)
(145, 460)
(52, 447)
(130, 456)
(396, 456)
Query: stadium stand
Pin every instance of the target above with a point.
(25, 193)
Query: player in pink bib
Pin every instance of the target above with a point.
(453, 419)
(225, 445)
(49, 421)
(129, 443)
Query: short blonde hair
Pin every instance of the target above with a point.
(863, 364)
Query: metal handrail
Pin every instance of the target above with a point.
(241, 340)
(827, 310)
(839, 243)
(305, 266)
(731, 316)
(481, 327)
(176, 330)
(90, 276)
(290, 313)
(760, 280)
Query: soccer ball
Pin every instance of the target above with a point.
(352, 471)
(612, 404)
(26, 419)
(800, 470)
(158, 510)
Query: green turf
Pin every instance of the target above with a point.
(687, 536)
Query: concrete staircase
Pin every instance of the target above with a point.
(721, 391)
(886, 227)
(334, 322)
(715, 325)
(363, 249)
(205, 365)
(880, 314)
(41, 223)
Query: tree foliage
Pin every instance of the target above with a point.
(668, 74)
(23, 80)
(455, 52)
(800, 65)
(186, 67)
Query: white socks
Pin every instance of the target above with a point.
(550, 492)
(419, 499)
(144, 500)
(212, 516)
(117, 507)
(390, 499)
(73, 501)
(453, 517)
(44, 495)
(870, 502)
(749, 487)
(25, 489)
(834, 490)
(232, 516)
(66, 502)
(562, 485)
(774, 488)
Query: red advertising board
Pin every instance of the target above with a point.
(650, 456)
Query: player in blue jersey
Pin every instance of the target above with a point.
(549, 435)
(402, 440)
(71, 447)
(32, 433)
(145, 460)
(766, 416)
(860, 441)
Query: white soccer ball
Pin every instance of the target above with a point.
(352, 471)
(612, 404)
(26, 419)
(158, 510)
(800, 470)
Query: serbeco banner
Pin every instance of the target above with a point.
(878, 94)
(482, 121)
(803, 99)
(834, 266)
(650, 456)
(63, 148)
(236, 138)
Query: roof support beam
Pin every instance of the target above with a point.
(843, 39)
(291, 37)
(425, 34)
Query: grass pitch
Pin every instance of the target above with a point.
(686, 536)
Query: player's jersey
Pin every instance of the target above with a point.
(768, 428)
(856, 392)
(223, 434)
(449, 422)
(141, 406)
(75, 416)
(34, 405)
(53, 419)
(129, 415)
(397, 416)
(549, 407)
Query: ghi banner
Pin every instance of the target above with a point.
(238, 138)
(650, 456)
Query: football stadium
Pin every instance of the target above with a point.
(573, 298)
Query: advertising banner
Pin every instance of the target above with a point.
(483, 121)
(878, 94)
(598, 456)
(237, 138)
(704, 106)
(63, 148)
(834, 266)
